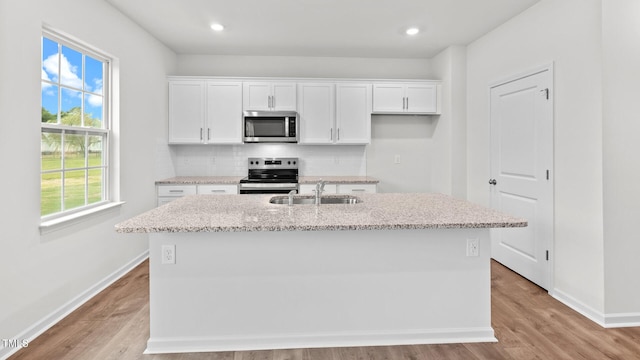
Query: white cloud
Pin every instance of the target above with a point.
(68, 73)
(94, 100)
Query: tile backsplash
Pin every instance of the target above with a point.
(231, 160)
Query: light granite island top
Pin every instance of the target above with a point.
(381, 211)
(235, 272)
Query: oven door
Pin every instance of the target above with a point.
(267, 188)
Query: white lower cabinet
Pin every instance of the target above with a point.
(357, 188)
(217, 189)
(340, 188)
(311, 189)
(168, 193)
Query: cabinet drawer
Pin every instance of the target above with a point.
(217, 189)
(356, 188)
(311, 189)
(176, 190)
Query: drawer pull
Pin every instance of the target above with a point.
(176, 191)
(218, 191)
(358, 190)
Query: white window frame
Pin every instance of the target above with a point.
(110, 186)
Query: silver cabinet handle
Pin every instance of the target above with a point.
(403, 103)
(358, 190)
(338, 133)
(331, 134)
(200, 134)
(218, 191)
(208, 134)
(407, 103)
(273, 101)
(176, 191)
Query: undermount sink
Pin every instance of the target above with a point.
(307, 200)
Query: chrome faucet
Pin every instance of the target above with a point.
(319, 190)
(291, 193)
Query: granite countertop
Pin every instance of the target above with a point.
(200, 180)
(245, 213)
(338, 179)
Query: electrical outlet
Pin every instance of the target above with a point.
(168, 254)
(473, 247)
(396, 160)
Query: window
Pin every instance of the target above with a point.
(75, 127)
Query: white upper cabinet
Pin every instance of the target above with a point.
(269, 96)
(353, 113)
(205, 112)
(186, 111)
(224, 112)
(334, 113)
(316, 109)
(406, 98)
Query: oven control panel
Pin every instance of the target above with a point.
(273, 163)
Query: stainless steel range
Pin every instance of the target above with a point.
(270, 176)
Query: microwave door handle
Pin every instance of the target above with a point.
(249, 129)
(286, 126)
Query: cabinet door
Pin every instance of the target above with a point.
(186, 111)
(224, 112)
(388, 98)
(316, 106)
(256, 96)
(353, 113)
(283, 96)
(421, 98)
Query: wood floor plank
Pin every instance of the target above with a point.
(529, 324)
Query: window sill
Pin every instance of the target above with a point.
(75, 218)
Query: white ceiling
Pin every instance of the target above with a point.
(343, 28)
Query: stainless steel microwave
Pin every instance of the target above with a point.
(270, 126)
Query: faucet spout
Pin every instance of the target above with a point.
(291, 193)
(319, 189)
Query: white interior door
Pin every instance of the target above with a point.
(521, 177)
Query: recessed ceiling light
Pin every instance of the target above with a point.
(412, 31)
(217, 27)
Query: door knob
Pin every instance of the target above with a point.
(492, 181)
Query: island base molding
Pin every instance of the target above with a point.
(297, 289)
(168, 346)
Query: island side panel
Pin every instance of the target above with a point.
(269, 290)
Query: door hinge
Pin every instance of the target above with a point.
(547, 255)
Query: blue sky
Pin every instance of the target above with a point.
(66, 68)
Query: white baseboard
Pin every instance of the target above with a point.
(614, 320)
(621, 320)
(48, 321)
(439, 336)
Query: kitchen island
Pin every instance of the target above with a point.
(391, 269)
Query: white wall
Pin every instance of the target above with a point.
(567, 33)
(621, 126)
(299, 66)
(39, 274)
(449, 168)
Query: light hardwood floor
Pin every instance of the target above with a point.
(529, 324)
